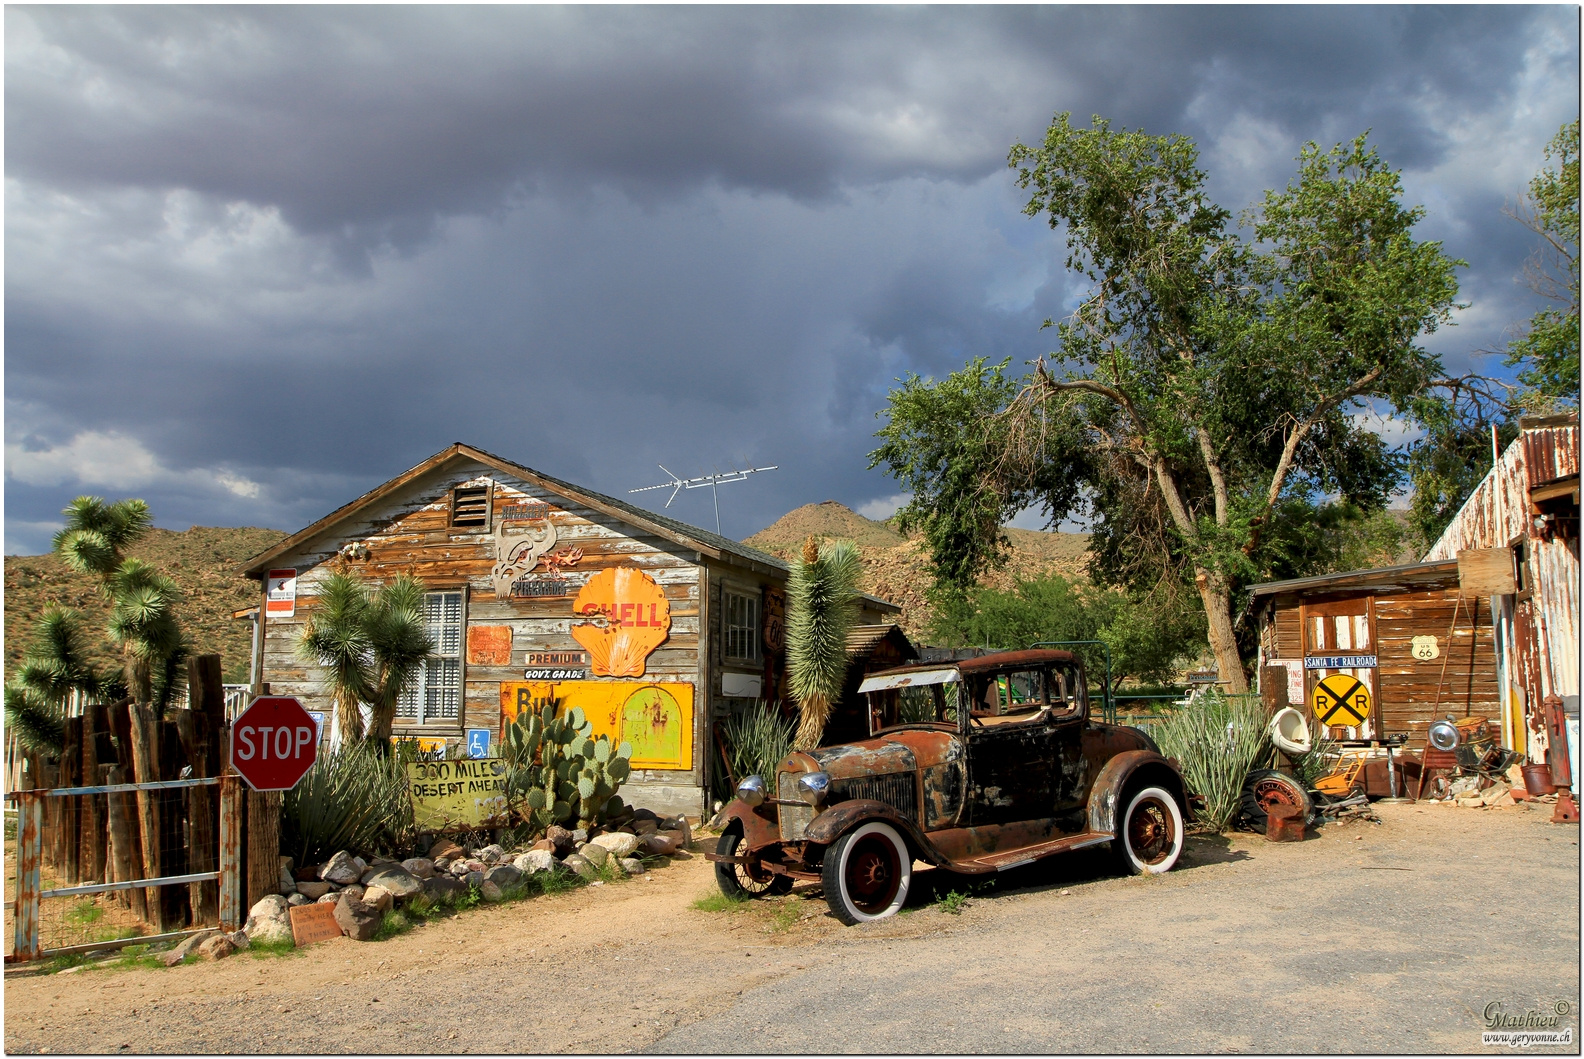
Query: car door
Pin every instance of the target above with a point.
(1014, 749)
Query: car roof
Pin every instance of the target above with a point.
(999, 660)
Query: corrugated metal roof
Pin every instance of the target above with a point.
(1409, 575)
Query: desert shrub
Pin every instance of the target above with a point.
(756, 741)
(1216, 739)
(354, 798)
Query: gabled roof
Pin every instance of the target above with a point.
(710, 544)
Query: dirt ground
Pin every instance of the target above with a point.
(1382, 938)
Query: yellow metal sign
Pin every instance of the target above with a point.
(656, 718)
(458, 795)
(1341, 700)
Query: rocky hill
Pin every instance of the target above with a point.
(897, 568)
(202, 561)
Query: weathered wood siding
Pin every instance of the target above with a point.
(410, 532)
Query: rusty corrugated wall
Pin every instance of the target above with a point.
(1497, 515)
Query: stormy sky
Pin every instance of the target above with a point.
(259, 260)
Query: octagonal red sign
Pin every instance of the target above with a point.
(274, 743)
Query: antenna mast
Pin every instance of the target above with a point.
(710, 481)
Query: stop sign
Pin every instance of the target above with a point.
(274, 743)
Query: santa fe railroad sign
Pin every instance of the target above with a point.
(1341, 700)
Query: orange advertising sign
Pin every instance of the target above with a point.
(628, 616)
(489, 645)
(656, 718)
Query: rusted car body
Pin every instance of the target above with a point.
(974, 766)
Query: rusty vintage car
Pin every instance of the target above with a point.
(974, 766)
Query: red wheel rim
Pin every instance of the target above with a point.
(872, 874)
(1152, 831)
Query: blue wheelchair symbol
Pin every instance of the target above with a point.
(478, 741)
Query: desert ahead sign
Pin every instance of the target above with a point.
(458, 795)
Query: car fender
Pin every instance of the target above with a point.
(841, 818)
(1106, 792)
(759, 825)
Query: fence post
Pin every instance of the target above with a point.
(232, 794)
(29, 851)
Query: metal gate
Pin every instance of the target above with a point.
(31, 912)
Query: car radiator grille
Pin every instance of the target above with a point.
(795, 819)
(898, 790)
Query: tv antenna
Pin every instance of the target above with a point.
(710, 481)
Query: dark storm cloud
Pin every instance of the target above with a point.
(259, 259)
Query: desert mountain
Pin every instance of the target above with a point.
(897, 567)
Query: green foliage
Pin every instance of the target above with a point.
(97, 534)
(756, 740)
(953, 903)
(38, 724)
(557, 772)
(715, 901)
(353, 798)
(822, 607)
(1308, 768)
(1216, 739)
(372, 644)
(1204, 390)
(1549, 347)
(1148, 638)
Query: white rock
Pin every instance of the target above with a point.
(268, 920)
(377, 897)
(617, 843)
(342, 868)
(535, 860)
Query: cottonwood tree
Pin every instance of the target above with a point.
(1548, 348)
(1208, 386)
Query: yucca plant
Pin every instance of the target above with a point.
(1216, 739)
(822, 607)
(353, 798)
(54, 666)
(756, 740)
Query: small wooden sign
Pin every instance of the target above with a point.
(314, 923)
(1486, 572)
(489, 645)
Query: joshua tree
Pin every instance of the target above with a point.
(55, 666)
(372, 646)
(822, 605)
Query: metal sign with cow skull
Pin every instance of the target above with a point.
(519, 545)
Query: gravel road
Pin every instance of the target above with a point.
(1379, 938)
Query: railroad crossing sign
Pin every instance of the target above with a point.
(1341, 700)
(274, 743)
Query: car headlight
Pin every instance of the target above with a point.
(752, 791)
(813, 787)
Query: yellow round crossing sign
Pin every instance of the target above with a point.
(1341, 700)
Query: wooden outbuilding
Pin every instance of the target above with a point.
(1418, 647)
(539, 590)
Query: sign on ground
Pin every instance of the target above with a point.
(458, 795)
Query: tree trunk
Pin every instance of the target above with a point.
(1217, 599)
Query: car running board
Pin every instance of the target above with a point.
(1017, 858)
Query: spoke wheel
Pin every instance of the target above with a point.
(1151, 837)
(739, 880)
(866, 873)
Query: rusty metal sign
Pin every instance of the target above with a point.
(626, 617)
(457, 795)
(489, 645)
(314, 923)
(656, 718)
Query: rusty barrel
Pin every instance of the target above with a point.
(1537, 779)
(1284, 823)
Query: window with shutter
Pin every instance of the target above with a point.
(742, 627)
(435, 694)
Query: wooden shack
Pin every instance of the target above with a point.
(539, 590)
(1420, 646)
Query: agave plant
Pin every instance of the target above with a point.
(756, 740)
(822, 607)
(1216, 739)
(353, 798)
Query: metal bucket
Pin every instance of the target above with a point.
(1537, 779)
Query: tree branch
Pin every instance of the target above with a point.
(1321, 410)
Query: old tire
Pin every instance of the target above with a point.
(1266, 788)
(1150, 838)
(736, 881)
(866, 873)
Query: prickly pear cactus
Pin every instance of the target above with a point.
(558, 769)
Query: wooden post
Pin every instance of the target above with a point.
(142, 743)
(29, 852)
(92, 856)
(48, 777)
(231, 883)
(126, 847)
(173, 908)
(263, 845)
(71, 808)
(202, 845)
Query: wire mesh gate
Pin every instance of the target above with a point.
(106, 915)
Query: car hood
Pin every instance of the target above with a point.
(903, 751)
